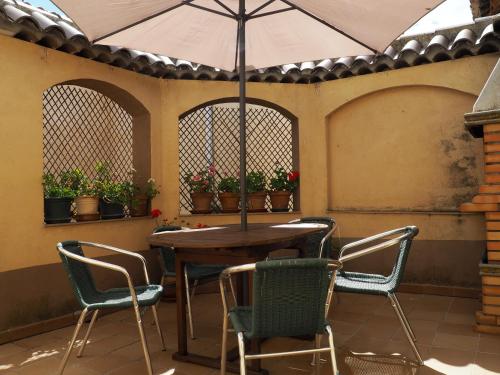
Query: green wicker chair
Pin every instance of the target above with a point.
(319, 245)
(290, 298)
(355, 282)
(92, 299)
(194, 274)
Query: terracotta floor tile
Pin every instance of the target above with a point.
(486, 364)
(445, 340)
(489, 343)
(368, 338)
(457, 329)
(10, 349)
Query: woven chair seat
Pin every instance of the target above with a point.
(120, 297)
(354, 282)
(241, 320)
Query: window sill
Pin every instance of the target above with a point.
(125, 219)
(237, 214)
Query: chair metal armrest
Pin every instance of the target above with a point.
(294, 221)
(121, 251)
(325, 238)
(407, 231)
(100, 263)
(226, 275)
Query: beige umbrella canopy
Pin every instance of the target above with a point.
(247, 34)
(299, 30)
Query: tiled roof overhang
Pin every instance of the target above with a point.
(22, 21)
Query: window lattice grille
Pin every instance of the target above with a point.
(81, 127)
(211, 135)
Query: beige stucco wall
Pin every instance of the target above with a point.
(344, 127)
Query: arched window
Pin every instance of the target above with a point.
(89, 121)
(209, 134)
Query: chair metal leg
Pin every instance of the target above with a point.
(188, 301)
(332, 350)
(158, 328)
(72, 341)
(241, 346)
(87, 335)
(193, 290)
(143, 339)
(398, 305)
(403, 321)
(223, 356)
(233, 292)
(316, 356)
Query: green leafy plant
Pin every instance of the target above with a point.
(283, 180)
(56, 186)
(229, 184)
(79, 182)
(203, 182)
(256, 182)
(152, 190)
(110, 191)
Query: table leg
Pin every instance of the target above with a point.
(181, 307)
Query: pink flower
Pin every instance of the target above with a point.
(197, 178)
(211, 170)
(205, 182)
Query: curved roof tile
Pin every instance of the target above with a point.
(36, 25)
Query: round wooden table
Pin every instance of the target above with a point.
(225, 245)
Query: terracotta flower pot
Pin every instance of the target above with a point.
(256, 202)
(140, 206)
(86, 205)
(230, 201)
(279, 200)
(202, 202)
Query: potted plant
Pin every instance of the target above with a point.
(229, 193)
(256, 192)
(201, 186)
(140, 202)
(58, 197)
(113, 196)
(87, 199)
(283, 184)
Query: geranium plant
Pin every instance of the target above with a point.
(202, 182)
(229, 184)
(284, 181)
(152, 190)
(256, 182)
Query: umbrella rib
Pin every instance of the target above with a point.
(185, 2)
(260, 8)
(237, 47)
(271, 13)
(374, 50)
(211, 10)
(226, 7)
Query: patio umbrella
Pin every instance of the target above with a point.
(247, 34)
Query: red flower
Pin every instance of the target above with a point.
(293, 176)
(155, 213)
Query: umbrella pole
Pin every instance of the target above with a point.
(242, 79)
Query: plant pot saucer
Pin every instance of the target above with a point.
(87, 217)
(251, 210)
(231, 211)
(200, 212)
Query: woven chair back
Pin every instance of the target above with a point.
(79, 274)
(289, 297)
